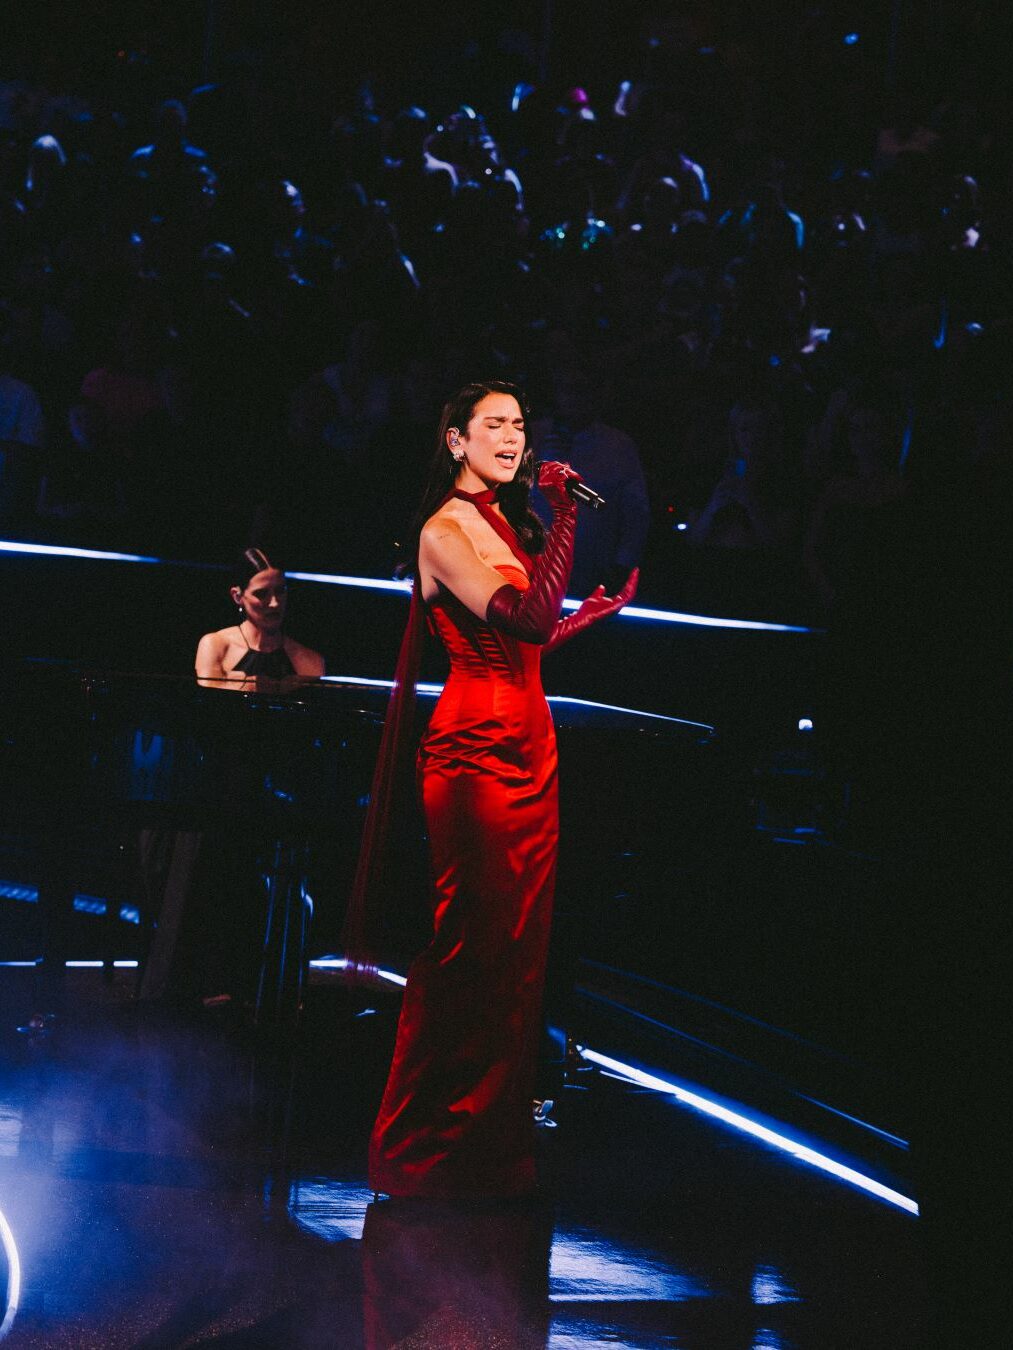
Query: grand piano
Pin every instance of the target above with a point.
(133, 765)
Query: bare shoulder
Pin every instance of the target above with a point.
(446, 520)
(305, 660)
(211, 652)
(443, 530)
(217, 641)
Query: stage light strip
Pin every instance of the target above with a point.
(12, 890)
(361, 583)
(89, 904)
(630, 611)
(71, 965)
(404, 587)
(894, 1139)
(66, 551)
(615, 707)
(341, 963)
(738, 1059)
(702, 620)
(13, 1275)
(100, 965)
(629, 1073)
(83, 904)
(801, 1152)
(422, 688)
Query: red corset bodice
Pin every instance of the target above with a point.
(492, 703)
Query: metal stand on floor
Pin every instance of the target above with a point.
(282, 977)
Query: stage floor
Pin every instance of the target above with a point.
(169, 1184)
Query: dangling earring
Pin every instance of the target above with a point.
(241, 612)
(455, 454)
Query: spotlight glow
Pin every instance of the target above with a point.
(13, 1275)
(802, 1152)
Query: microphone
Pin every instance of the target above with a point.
(577, 489)
(582, 493)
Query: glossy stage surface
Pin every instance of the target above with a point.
(167, 1184)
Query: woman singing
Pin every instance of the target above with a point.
(456, 1117)
(256, 645)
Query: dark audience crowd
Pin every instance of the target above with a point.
(761, 311)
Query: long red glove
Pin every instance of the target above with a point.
(597, 606)
(532, 615)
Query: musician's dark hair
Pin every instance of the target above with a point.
(514, 497)
(248, 563)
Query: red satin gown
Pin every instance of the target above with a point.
(456, 1117)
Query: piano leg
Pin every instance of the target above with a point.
(282, 974)
(167, 859)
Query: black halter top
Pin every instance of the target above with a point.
(276, 665)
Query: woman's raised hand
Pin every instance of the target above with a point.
(597, 606)
(553, 477)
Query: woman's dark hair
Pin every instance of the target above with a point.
(248, 563)
(513, 497)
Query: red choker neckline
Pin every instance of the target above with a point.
(487, 495)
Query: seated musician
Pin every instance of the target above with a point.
(256, 647)
(204, 948)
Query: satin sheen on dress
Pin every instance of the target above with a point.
(456, 1117)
